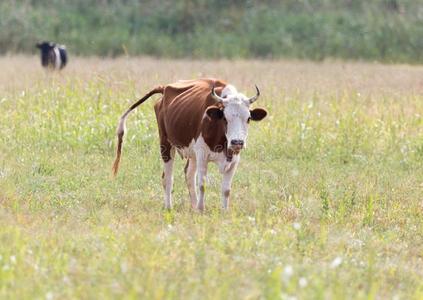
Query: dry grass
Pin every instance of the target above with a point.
(287, 77)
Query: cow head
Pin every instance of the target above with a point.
(46, 49)
(45, 46)
(235, 111)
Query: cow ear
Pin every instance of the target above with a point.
(214, 113)
(258, 114)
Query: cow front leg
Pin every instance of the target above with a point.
(201, 181)
(190, 174)
(226, 184)
(168, 178)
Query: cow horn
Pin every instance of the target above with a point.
(216, 97)
(254, 98)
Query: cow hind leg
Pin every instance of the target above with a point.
(190, 174)
(167, 178)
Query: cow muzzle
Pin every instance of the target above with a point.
(237, 145)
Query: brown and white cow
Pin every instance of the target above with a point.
(204, 120)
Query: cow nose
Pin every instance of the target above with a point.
(237, 142)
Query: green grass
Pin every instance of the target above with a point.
(327, 201)
(384, 30)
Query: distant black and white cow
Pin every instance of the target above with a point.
(53, 56)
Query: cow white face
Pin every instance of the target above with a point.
(237, 115)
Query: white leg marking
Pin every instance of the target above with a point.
(168, 183)
(190, 179)
(57, 59)
(201, 180)
(202, 153)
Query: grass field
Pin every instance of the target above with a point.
(327, 202)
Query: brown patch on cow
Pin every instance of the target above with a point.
(213, 132)
(116, 163)
(227, 193)
(163, 180)
(165, 151)
(229, 155)
(258, 114)
(186, 167)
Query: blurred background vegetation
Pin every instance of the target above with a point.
(382, 30)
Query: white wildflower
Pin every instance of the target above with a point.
(13, 259)
(66, 280)
(124, 267)
(357, 243)
(336, 262)
(303, 282)
(162, 235)
(288, 271)
(297, 226)
(115, 286)
(287, 297)
(273, 208)
(49, 296)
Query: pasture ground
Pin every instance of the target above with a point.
(327, 201)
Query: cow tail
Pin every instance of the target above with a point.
(122, 126)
